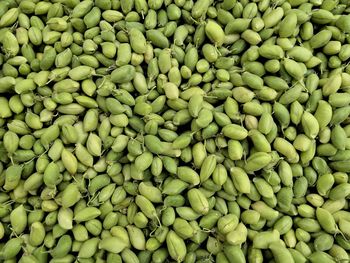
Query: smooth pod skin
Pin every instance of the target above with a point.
(215, 33)
(287, 149)
(264, 239)
(18, 219)
(227, 223)
(310, 125)
(234, 253)
(198, 201)
(12, 248)
(137, 41)
(176, 246)
(234, 131)
(257, 161)
(326, 220)
(200, 8)
(112, 244)
(240, 179)
(123, 74)
(207, 168)
(280, 253)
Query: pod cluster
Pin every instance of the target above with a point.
(174, 131)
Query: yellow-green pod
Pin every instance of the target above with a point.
(209, 53)
(265, 123)
(7, 83)
(234, 131)
(198, 201)
(271, 51)
(137, 237)
(88, 248)
(300, 54)
(12, 247)
(94, 145)
(280, 252)
(146, 207)
(37, 234)
(9, 17)
(296, 112)
(257, 161)
(310, 125)
(326, 220)
(287, 149)
(262, 240)
(176, 246)
(215, 33)
(273, 17)
(151, 192)
(70, 195)
(92, 18)
(11, 141)
(251, 37)
(338, 137)
(41, 78)
(123, 74)
(220, 174)
(320, 39)
(109, 49)
(239, 235)
(69, 161)
(137, 41)
(83, 155)
(82, 8)
(288, 25)
(234, 253)
(332, 85)
(227, 223)
(112, 16)
(12, 177)
(49, 135)
(48, 59)
(86, 214)
(188, 175)
(200, 8)
(195, 104)
(235, 150)
(80, 73)
(199, 154)
(18, 219)
(293, 68)
(171, 90)
(259, 140)
(24, 86)
(157, 38)
(164, 61)
(86, 101)
(52, 175)
(240, 179)
(208, 167)
(302, 142)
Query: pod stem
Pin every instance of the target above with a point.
(93, 198)
(341, 233)
(11, 159)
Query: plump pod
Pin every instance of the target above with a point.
(286, 148)
(198, 201)
(123, 74)
(280, 253)
(112, 244)
(215, 33)
(176, 246)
